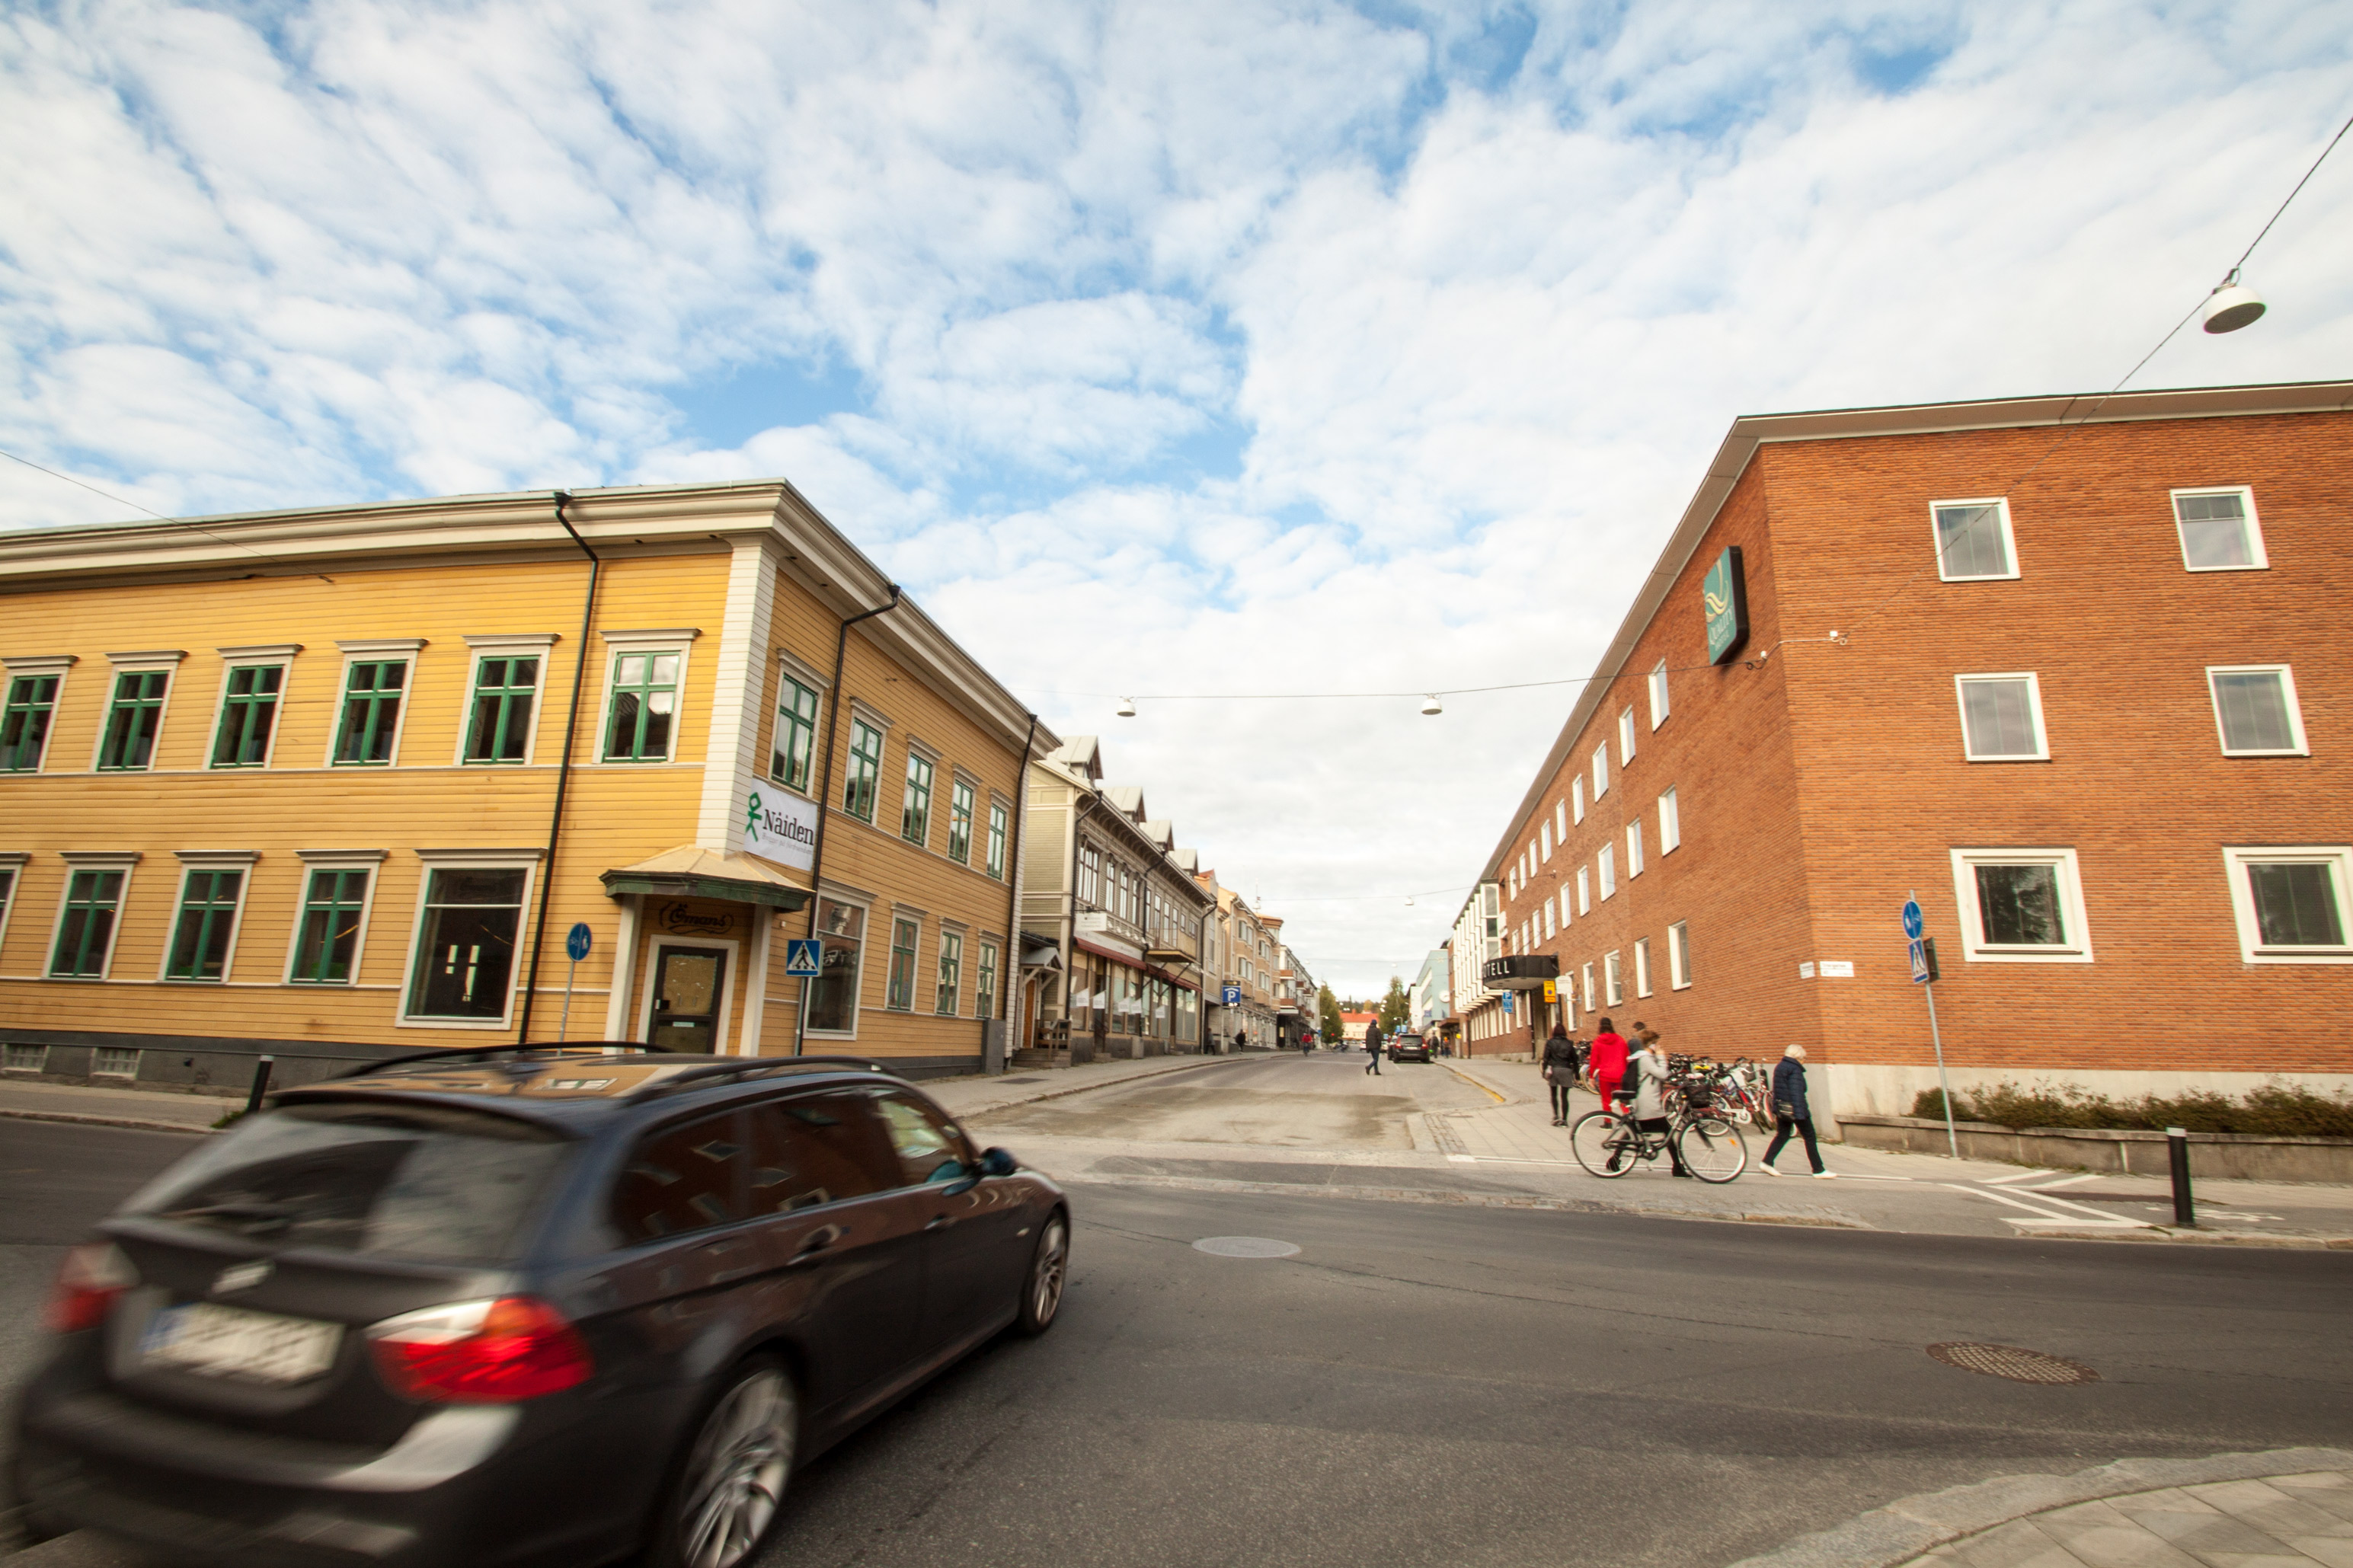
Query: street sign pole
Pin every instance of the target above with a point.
(1912, 929)
(576, 948)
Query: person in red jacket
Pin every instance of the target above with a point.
(1607, 1062)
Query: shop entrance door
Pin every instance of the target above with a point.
(687, 985)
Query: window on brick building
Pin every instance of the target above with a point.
(2219, 530)
(2001, 718)
(1973, 540)
(1658, 695)
(2255, 709)
(1613, 987)
(1679, 974)
(1560, 822)
(2291, 903)
(1607, 863)
(1546, 837)
(1626, 737)
(1586, 975)
(2020, 904)
(1642, 967)
(1633, 849)
(1584, 891)
(1601, 771)
(1576, 798)
(1670, 823)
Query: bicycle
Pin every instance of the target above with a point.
(1608, 1144)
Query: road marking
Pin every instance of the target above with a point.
(1246, 1247)
(2014, 1176)
(2077, 1224)
(2051, 1216)
(2068, 1182)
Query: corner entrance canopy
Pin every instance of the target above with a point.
(688, 873)
(1039, 952)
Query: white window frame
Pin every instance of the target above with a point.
(1633, 848)
(168, 660)
(1679, 956)
(1658, 684)
(278, 655)
(528, 644)
(1567, 917)
(1577, 797)
(2287, 690)
(1551, 929)
(1583, 892)
(1560, 821)
(14, 861)
(1587, 977)
(2262, 560)
(1626, 736)
(2009, 540)
(372, 862)
(125, 861)
(1641, 966)
(2041, 752)
(1600, 772)
(59, 664)
(1975, 949)
(209, 860)
(373, 650)
(1613, 979)
(525, 860)
(1605, 863)
(1670, 822)
(1544, 836)
(2337, 857)
(864, 904)
(673, 639)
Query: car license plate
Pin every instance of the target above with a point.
(232, 1341)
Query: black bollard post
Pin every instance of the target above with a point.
(261, 1084)
(2177, 1148)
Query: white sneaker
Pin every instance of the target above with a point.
(1824, 1176)
(1766, 1169)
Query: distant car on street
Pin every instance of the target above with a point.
(523, 1306)
(1409, 1049)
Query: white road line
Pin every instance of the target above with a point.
(2014, 1176)
(2043, 1214)
(2086, 1208)
(2075, 1224)
(2067, 1182)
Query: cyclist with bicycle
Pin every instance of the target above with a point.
(1648, 1069)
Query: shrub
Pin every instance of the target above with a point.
(1930, 1103)
(2275, 1111)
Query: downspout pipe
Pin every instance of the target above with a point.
(1014, 974)
(562, 768)
(825, 791)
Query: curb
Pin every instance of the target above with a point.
(2207, 1239)
(1895, 1534)
(134, 1122)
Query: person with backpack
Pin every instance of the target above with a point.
(1606, 1061)
(1560, 1071)
(1373, 1047)
(1789, 1109)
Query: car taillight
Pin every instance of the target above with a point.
(480, 1353)
(93, 1275)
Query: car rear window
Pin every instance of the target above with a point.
(393, 1181)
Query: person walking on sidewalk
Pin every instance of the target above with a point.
(1373, 1047)
(1647, 1069)
(1790, 1108)
(1607, 1062)
(1560, 1071)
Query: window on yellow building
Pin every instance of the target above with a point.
(999, 820)
(950, 978)
(132, 720)
(961, 802)
(465, 943)
(373, 689)
(334, 907)
(200, 937)
(248, 714)
(506, 693)
(915, 810)
(796, 741)
(25, 725)
(865, 770)
(644, 708)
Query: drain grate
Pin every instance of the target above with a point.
(2016, 1364)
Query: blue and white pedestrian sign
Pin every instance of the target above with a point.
(576, 948)
(576, 942)
(1919, 963)
(1233, 995)
(1912, 918)
(803, 959)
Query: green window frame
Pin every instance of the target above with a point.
(335, 910)
(904, 936)
(132, 719)
(208, 919)
(467, 940)
(24, 724)
(248, 715)
(373, 689)
(865, 769)
(795, 738)
(999, 820)
(86, 925)
(962, 799)
(915, 813)
(506, 696)
(641, 718)
(983, 991)
(951, 975)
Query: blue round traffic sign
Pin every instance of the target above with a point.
(1912, 918)
(576, 942)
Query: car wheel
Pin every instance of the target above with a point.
(1041, 1291)
(731, 1475)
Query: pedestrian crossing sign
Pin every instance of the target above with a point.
(802, 958)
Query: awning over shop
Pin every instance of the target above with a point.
(1129, 961)
(688, 873)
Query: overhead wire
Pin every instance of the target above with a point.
(158, 516)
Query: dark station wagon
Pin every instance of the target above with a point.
(524, 1306)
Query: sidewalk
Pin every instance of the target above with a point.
(2292, 1508)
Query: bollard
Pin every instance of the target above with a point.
(2177, 1148)
(261, 1084)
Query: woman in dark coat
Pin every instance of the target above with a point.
(1560, 1071)
(1796, 1115)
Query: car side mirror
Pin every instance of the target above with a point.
(999, 1163)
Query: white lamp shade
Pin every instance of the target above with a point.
(2232, 307)
(1429, 705)
(1127, 708)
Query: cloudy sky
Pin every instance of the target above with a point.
(1213, 347)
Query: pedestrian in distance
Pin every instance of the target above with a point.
(1102, 1033)
(1789, 1109)
(1373, 1047)
(1560, 1071)
(1647, 1069)
(1240, 1040)
(1607, 1063)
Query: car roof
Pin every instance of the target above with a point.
(578, 1088)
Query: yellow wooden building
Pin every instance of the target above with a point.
(335, 783)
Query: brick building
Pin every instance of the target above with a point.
(2067, 670)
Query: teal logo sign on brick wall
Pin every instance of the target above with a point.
(1724, 593)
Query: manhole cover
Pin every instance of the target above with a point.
(2016, 1364)
(1244, 1247)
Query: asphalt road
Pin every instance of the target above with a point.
(1433, 1386)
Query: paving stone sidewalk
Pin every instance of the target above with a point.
(2284, 1521)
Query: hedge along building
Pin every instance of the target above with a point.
(362, 768)
(2068, 669)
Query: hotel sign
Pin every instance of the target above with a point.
(1725, 593)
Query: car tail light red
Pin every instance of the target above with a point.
(93, 1275)
(493, 1351)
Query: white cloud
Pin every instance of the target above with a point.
(1234, 347)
